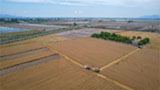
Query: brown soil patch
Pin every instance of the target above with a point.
(73, 34)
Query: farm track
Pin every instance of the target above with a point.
(115, 82)
(22, 53)
(119, 59)
(28, 64)
(99, 75)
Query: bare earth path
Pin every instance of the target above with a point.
(99, 75)
(28, 64)
(119, 59)
(115, 82)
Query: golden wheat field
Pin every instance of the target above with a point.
(22, 59)
(91, 51)
(19, 49)
(58, 74)
(30, 44)
(140, 70)
(134, 33)
(28, 41)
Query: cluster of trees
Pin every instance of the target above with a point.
(144, 41)
(112, 36)
(130, 21)
(138, 37)
(74, 24)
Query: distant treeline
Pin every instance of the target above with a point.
(39, 20)
(8, 20)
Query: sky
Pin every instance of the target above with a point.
(80, 8)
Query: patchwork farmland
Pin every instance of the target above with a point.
(44, 77)
(56, 62)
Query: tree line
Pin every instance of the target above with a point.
(119, 38)
(112, 36)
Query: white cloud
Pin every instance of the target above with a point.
(132, 3)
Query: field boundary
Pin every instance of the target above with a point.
(28, 64)
(29, 52)
(22, 52)
(16, 44)
(119, 59)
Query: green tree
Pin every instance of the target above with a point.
(130, 21)
(139, 37)
(144, 41)
(74, 24)
(134, 37)
(140, 43)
